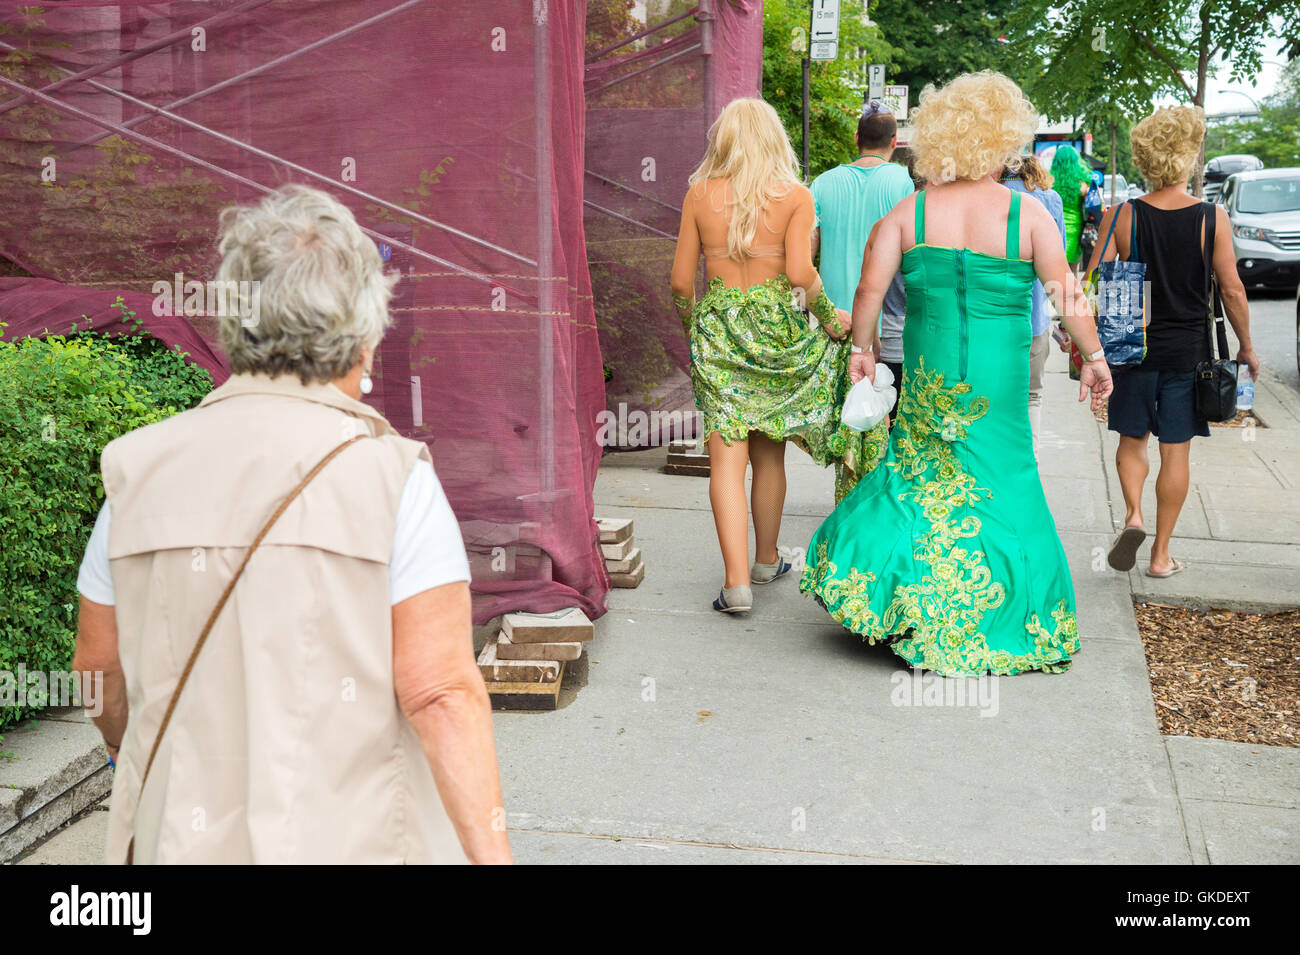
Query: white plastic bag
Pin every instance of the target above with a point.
(868, 402)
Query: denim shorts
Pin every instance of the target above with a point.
(1162, 403)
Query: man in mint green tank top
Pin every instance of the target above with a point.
(851, 198)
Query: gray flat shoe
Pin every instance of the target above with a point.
(734, 600)
(766, 573)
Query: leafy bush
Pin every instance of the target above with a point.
(61, 401)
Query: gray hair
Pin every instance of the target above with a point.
(320, 291)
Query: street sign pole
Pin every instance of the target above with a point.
(875, 81)
(806, 67)
(823, 44)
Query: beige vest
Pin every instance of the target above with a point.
(287, 745)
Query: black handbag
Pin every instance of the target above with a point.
(1215, 379)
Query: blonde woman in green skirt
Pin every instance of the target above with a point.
(762, 372)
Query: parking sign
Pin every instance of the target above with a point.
(823, 39)
(895, 100)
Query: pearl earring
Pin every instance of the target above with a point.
(367, 385)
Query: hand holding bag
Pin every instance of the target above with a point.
(868, 402)
(1118, 301)
(1215, 379)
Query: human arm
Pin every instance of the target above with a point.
(685, 263)
(799, 269)
(1235, 304)
(815, 242)
(1071, 304)
(96, 662)
(442, 696)
(879, 265)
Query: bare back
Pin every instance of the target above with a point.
(965, 215)
(782, 242)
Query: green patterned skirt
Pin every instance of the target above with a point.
(758, 365)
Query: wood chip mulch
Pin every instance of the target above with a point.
(1236, 421)
(1223, 675)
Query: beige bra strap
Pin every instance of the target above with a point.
(212, 617)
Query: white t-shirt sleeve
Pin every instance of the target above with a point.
(427, 547)
(94, 581)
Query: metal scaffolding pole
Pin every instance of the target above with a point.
(545, 251)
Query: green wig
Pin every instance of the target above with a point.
(1069, 172)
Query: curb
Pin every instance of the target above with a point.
(61, 769)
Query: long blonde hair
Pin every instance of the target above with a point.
(1031, 170)
(749, 148)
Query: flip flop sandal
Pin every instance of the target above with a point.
(1176, 569)
(1123, 553)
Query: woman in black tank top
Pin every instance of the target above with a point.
(1169, 231)
(1168, 241)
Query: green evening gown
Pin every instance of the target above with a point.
(757, 365)
(948, 551)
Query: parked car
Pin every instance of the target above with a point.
(1218, 169)
(1134, 190)
(1121, 189)
(1264, 208)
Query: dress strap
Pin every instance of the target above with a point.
(920, 217)
(1013, 227)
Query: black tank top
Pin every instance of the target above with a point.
(1169, 242)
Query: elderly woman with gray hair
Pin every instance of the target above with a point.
(275, 593)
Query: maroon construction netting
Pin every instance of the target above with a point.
(455, 134)
(38, 307)
(652, 90)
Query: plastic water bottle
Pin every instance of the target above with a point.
(1245, 388)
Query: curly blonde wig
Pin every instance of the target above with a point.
(1167, 144)
(971, 127)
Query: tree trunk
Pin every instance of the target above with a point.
(1114, 163)
(1202, 68)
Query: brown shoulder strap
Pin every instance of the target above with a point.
(216, 611)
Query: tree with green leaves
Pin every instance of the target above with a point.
(835, 86)
(1274, 136)
(937, 40)
(1113, 57)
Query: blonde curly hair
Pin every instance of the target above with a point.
(1167, 144)
(971, 127)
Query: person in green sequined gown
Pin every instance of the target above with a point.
(762, 373)
(947, 552)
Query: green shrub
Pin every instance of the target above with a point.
(61, 401)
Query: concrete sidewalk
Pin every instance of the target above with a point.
(772, 738)
(1239, 532)
(775, 739)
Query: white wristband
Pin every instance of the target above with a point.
(854, 349)
(1098, 355)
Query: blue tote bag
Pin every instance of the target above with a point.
(1119, 301)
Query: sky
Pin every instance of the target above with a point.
(1265, 83)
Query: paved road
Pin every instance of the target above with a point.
(1272, 320)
